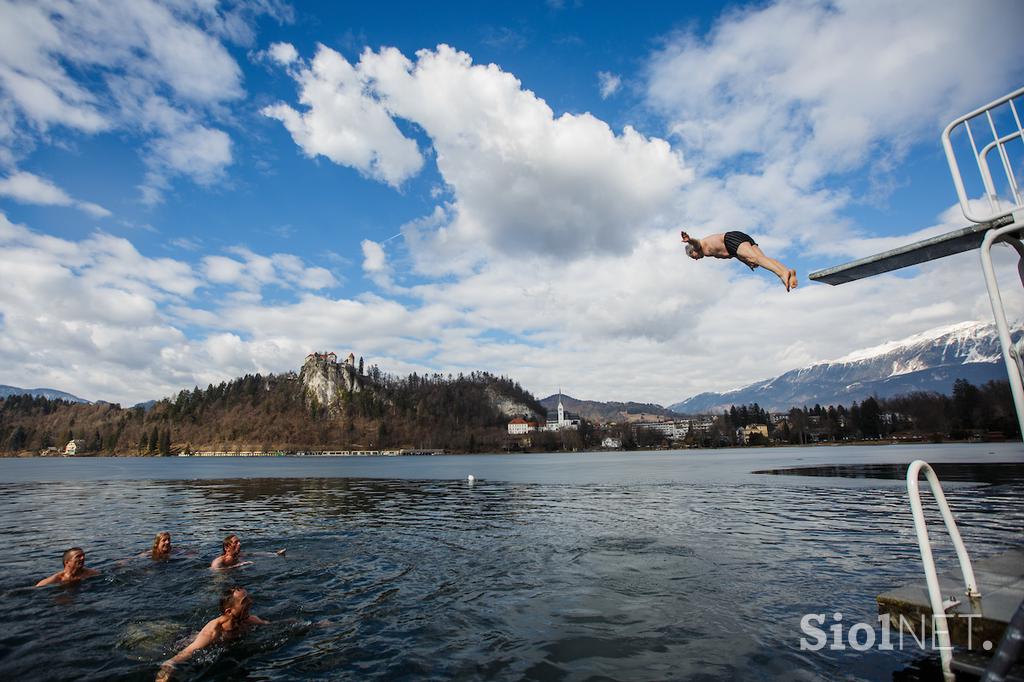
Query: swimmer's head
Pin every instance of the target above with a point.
(231, 544)
(74, 557)
(235, 601)
(693, 253)
(161, 544)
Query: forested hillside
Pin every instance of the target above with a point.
(272, 412)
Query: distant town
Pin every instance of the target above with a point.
(971, 413)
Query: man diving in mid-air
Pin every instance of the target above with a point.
(740, 246)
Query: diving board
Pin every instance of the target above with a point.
(957, 241)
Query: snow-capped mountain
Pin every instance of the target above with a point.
(930, 361)
(51, 393)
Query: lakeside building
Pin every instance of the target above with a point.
(703, 424)
(673, 430)
(744, 433)
(520, 426)
(611, 443)
(74, 447)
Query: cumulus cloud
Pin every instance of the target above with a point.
(29, 188)
(99, 318)
(819, 81)
(344, 124)
(283, 53)
(523, 180)
(155, 68)
(255, 271)
(609, 83)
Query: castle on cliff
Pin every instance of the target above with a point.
(325, 379)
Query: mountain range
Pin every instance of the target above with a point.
(51, 393)
(929, 361)
(596, 411)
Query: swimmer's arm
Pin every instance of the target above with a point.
(256, 620)
(52, 580)
(205, 638)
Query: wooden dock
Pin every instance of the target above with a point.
(975, 625)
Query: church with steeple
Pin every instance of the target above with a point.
(563, 420)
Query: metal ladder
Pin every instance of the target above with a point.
(938, 605)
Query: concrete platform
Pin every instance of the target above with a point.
(972, 623)
(957, 241)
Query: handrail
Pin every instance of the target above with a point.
(954, 166)
(939, 625)
(1011, 356)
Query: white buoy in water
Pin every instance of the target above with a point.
(471, 478)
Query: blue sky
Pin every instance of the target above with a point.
(190, 191)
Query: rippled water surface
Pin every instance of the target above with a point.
(653, 566)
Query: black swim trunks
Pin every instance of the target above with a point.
(733, 241)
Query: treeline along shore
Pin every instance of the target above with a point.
(281, 413)
(276, 413)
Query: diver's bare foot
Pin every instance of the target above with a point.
(791, 280)
(281, 552)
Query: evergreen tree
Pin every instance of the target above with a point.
(165, 441)
(154, 441)
(18, 439)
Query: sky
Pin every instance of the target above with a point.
(193, 190)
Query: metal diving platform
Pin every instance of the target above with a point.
(980, 608)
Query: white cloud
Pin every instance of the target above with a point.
(828, 84)
(255, 271)
(29, 188)
(200, 152)
(374, 258)
(609, 83)
(283, 53)
(153, 68)
(344, 124)
(523, 180)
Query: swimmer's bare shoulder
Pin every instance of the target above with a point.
(58, 577)
(210, 634)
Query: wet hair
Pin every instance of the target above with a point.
(227, 597)
(70, 553)
(156, 542)
(228, 541)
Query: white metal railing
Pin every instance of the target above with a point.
(938, 606)
(997, 207)
(1011, 352)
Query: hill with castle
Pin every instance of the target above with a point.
(326, 405)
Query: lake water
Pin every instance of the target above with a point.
(625, 566)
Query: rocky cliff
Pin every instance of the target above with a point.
(325, 380)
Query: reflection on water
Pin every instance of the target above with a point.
(426, 579)
(975, 472)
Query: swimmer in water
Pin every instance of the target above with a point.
(74, 569)
(161, 547)
(230, 557)
(235, 619)
(232, 554)
(743, 248)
